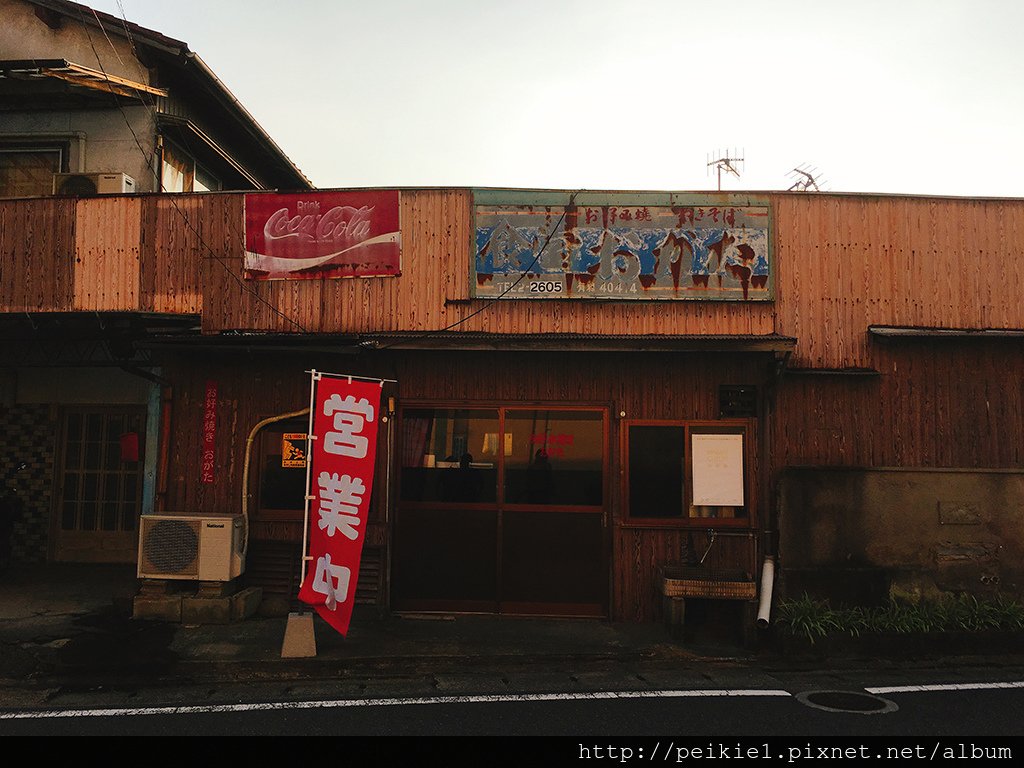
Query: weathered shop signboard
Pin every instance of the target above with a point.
(313, 235)
(698, 250)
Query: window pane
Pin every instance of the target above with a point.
(177, 174)
(554, 457)
(28, 172)
(450, 455)
(88, 516)
(205, 181)
(282, 487)
(69, 511)
(108, 519)
(656, 476)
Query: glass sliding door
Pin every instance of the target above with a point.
(445, 544)
(502, 510)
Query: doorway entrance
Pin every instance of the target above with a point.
(502, 510)
(100, 485)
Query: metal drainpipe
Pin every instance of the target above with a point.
(770, 530)
(158, 171)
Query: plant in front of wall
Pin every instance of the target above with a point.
(815, 619)
(808, 618)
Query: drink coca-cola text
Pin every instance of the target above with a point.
(341, 223)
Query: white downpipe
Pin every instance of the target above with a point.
(767, 579)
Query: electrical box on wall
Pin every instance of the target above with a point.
(87, 184)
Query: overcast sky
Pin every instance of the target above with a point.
(903, 96)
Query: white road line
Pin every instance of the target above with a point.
(271, 706)
(944, 687)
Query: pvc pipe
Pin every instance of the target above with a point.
(245, 468)
(767, 580)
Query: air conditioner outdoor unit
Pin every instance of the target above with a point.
(88, 184)
(196, 547)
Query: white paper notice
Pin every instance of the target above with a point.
(718, 470)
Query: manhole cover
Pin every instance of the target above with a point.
(847, 701)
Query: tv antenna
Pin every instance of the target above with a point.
(730, 162)
(807, 178)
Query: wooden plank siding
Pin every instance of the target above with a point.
(847, 262)
(433, 293)
(37, 242)
(107, 258)
(842, 263)
(172, 251)
(938, 403)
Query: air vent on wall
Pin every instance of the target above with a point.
(737, 401)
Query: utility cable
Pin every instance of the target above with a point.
(149, 159)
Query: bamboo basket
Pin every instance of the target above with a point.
(677, 581)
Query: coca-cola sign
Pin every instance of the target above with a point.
(311, 235)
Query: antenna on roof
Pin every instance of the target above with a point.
(730, 162)
(807, 178)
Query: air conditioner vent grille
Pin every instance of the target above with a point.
(172, 546)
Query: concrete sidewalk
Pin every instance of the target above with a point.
(63, 620)
(71, 627)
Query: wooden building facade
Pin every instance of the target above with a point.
(881, 354)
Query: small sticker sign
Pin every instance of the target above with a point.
(293, 450)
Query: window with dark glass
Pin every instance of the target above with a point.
(27, 171)
(656, 463)
(554, 457)
(282, 470)
(450, 455)
(685, 472)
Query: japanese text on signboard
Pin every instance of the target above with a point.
(207, 457)
(622, 252)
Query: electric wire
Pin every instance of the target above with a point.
(150, 160)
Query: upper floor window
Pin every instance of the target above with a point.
(27, 170)
(181, 172)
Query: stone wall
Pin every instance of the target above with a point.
(863, 535)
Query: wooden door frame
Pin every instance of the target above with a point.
(605, 409)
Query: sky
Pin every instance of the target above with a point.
(891, 96)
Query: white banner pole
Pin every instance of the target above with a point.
(299, 636)
(310, 437)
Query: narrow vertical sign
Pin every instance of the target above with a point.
(209, 432)
(342, 458)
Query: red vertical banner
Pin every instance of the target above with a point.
(342, 460)
(209, 433)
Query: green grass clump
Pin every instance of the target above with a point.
(815, 619)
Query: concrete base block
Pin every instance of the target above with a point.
(245, 603)
(299, 638)
(159, 607)
(206, 610)
(214, 589)
(155, 587)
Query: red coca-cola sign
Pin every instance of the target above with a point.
(309, 235)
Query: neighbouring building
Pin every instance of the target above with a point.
(93, 106)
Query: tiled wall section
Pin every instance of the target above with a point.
(28, 433)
